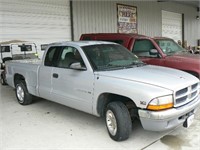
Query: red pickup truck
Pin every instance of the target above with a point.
(156, 51)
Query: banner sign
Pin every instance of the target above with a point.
(126, 18)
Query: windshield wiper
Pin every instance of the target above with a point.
(138, 64)
(110, 67)
(141, 64)
(131, 65)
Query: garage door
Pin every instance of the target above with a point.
(40, 21)
(172, 25)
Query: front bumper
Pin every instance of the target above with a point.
(167, 119)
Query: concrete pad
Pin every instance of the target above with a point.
(46, 125)
(180, 139)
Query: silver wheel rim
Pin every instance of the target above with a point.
(20, 93)
(111, 122)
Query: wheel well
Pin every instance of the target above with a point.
(18, 77)
(193, 73)
(106, 98)
(6, 59)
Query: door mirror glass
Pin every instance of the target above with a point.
(77, 66)
(153, 52)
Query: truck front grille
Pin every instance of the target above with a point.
(186, 95)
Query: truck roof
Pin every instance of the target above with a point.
(80, 43)
(116, 34)
(160, 38)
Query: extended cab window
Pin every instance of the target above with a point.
(51, 56)
(142, 48)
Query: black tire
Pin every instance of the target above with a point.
(22, 94)
(122, 118)
(3, 81)
(2, 67)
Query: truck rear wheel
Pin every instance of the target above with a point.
(23, 97)
(118, 121)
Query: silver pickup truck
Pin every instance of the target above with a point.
(106, 80)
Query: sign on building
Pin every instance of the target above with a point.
(126, 18)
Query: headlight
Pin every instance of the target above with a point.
(161, 103)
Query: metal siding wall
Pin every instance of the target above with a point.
(35, 20)
(149, 18)
(101, 16)
(91, 16)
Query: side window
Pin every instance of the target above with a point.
(86, 38)
(25, 48)
(142, 48)
(43, 47)
(50, 57)
(5, 49)
(68, 56)
(168, 46)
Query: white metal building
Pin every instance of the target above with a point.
(40, 21)
(45, 21)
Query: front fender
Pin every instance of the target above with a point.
(140, 93)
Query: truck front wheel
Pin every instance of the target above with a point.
(23, 97)
(118, 121)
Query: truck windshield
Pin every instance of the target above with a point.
(110, 57)
(169, 46)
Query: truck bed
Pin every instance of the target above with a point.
(27, 61)
(27, 68)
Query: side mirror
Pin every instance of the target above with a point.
(153, 52)
(77, 66)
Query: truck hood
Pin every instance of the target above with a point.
(167, 78)
(186, 57)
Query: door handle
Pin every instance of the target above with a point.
(55, 75)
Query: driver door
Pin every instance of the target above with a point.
(73, 88)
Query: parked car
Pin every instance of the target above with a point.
(107, 80)
(15, 51)
(196, 50)
(156, 51)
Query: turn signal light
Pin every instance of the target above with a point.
(160, 107)
(161, 103)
